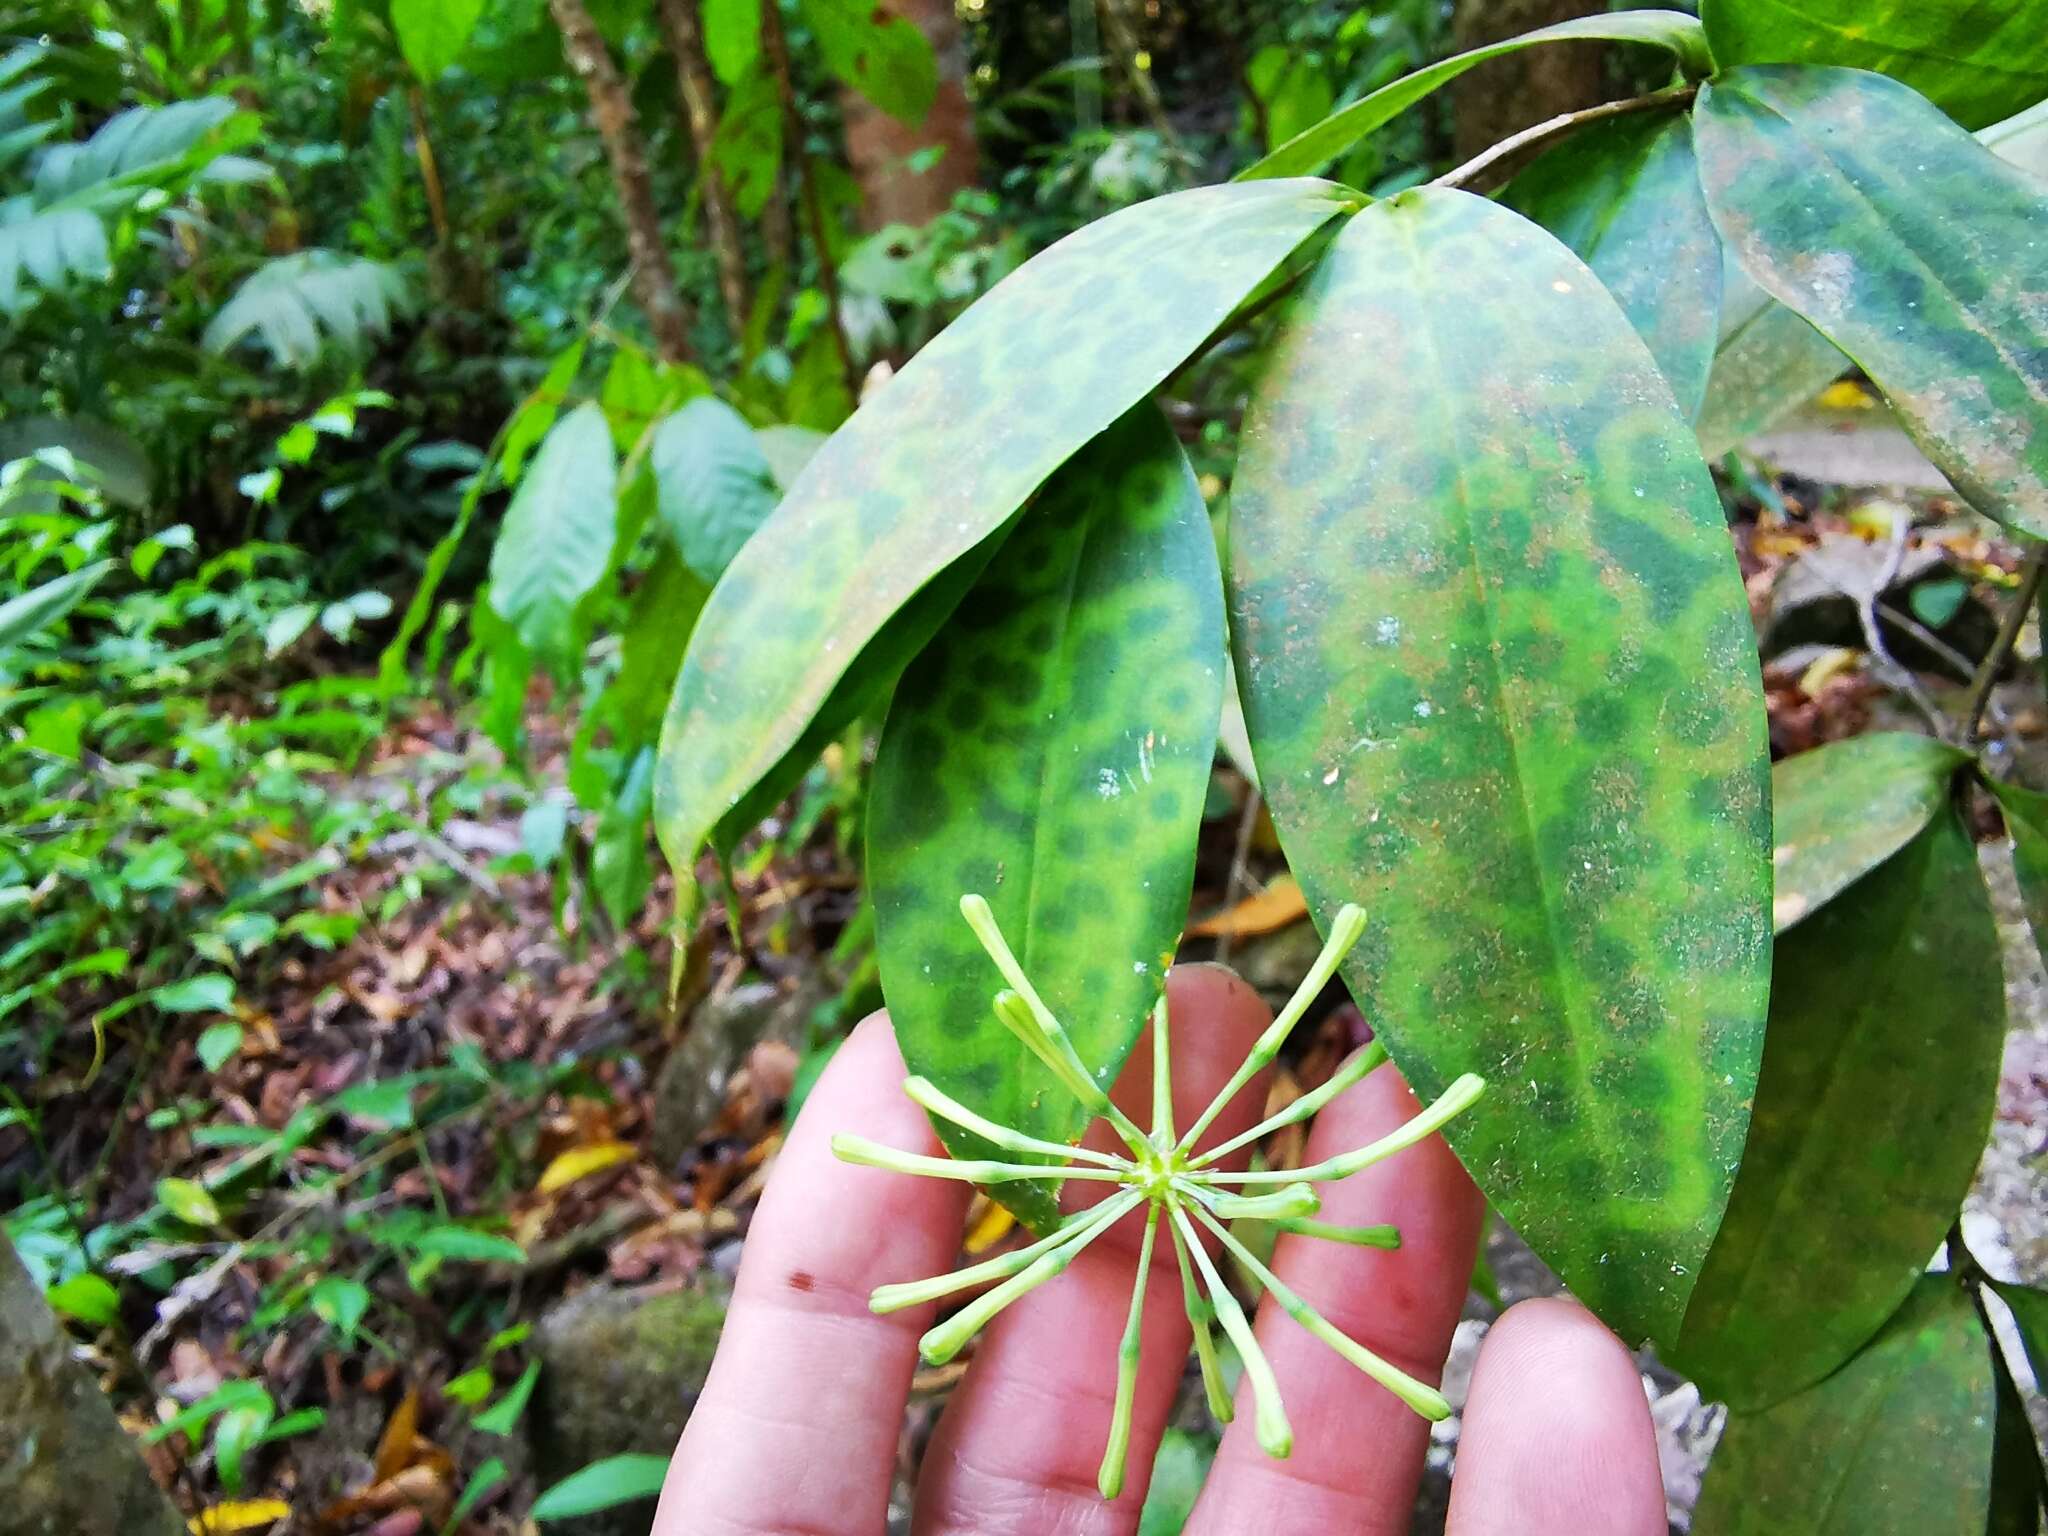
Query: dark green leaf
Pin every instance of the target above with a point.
(1908, 245)
(664, 611)
(1880, 1068)
(431, 33)
(1311, 150)
(503, 1416)
(714, 483)
(1896, 1443)
(880, 54)
(2026, 821)
(619, 864)
(556, 542)
(1052, 754)
(2016, 1473)
(1500, 680)
(748, 148)
(1977, 62)
(939, 459)
(602, 1485)
(732, 37)
(40, 607)
(1625, 195)
(1843, 809)
(2030, 1312)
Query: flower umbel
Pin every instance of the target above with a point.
(1180, 1189)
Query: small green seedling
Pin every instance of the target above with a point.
(1179, 1188)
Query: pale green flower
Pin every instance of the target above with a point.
(1180, 1189)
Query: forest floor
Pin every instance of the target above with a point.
(485, 1116)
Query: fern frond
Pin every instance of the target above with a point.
(296, 304)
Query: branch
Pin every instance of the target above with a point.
(777, 47)
(1673, 96)
(693, 79)
(654, 277)
(1896, 674)
(2008, 634)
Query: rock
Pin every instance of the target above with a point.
(620, 1371)
(67, 1468)
(689, 1091)
(1817, 597)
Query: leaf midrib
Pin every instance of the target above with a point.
(1577, 997)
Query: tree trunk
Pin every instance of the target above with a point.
(878, 146)
(654, 278)
(67, 1468)
(1505, 95)
(685, 34)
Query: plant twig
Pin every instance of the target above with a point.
(1564, 122)
(679, 21)
(1896, 674)
(2008, 634)
(776, 45)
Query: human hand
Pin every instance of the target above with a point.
(796, 1429)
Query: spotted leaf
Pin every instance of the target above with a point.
(1769, 362)
(1880, 1067)
(1502, 689)
(1977, 62)
(937, 461)
(1896, 1443)
(1853, 201)
(1052, 754)
(1624, 194)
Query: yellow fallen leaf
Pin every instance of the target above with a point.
(582, 1162)
(238, 1515)
(989, 1229)
(1826, 667)
(1278, 905)
(1845, 395)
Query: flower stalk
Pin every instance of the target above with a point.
(1178, 1188)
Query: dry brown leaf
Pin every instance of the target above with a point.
(1277, 906)
(394, 1446)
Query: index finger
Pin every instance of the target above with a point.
(1357, 1449)
(796, 1428)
